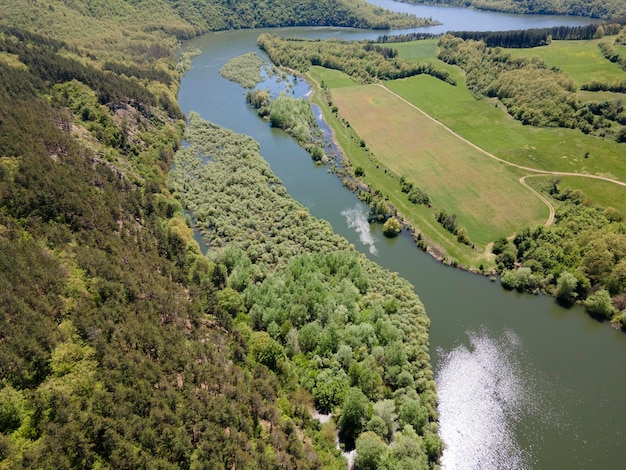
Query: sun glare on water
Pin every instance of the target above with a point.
(482, 394)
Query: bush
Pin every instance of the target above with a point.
(392, 227)
(599, 304)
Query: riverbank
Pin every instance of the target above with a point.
(360, 160)
(349, 176)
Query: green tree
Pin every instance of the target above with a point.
(378, 426)
(386, 410)
(266, 350)
(229, 302)
(599, 304)
(566, 287)
(406, 452)
(354, 415)
(369, 451)
(330, 389)
(392, 227)
(414, 414)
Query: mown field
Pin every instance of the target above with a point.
(440, 240)
(582, 60)
(485, 195)
(486, 123)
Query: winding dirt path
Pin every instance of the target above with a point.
(522, 180)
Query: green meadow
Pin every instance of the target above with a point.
(390, 129)
(582, 60)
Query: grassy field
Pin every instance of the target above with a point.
(332, 78)
(487, 124)
(582, 60)
(441, 241)
(484, 194)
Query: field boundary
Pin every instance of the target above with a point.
(491, 155)
(522, 180)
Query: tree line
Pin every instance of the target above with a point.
(582, 257)
(533, 93)
(539, 36)
(362, 61)
(606, 9)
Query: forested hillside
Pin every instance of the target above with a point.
(140, 26)
(121, 344)
(605, 9)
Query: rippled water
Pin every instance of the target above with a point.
(483, 392)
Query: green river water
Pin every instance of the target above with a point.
(522, 382)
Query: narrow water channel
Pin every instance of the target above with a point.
(523, 383)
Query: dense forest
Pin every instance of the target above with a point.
(137, 27)
(122, 345)
(606, 9)
(325, 317)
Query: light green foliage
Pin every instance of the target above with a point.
(566, 287)
(330, 389)
(266, 350)
(229, 302)
(386, 411)
(537, 96)
(259, 99)
(244, 69)
(231, 192)
(521, 279)
(12, 409)
(342, 320)
(406, 452)
(295, 116)
(392, 227)
(599, 304)
(533, 93)
(414, 414)
(354, 416)
(369, 451)
(184, 62)
(377, 426)
(582, 249)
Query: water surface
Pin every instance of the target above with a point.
(523, 383)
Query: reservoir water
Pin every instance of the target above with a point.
(523, 383)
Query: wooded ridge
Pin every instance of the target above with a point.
(121, 344)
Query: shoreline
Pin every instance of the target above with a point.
(352, 182)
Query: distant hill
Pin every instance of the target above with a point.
(605, 9)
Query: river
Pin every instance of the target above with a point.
(523, 383)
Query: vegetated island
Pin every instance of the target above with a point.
(581, 232)
(315, 311)
(121, 344)
(244, 69)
